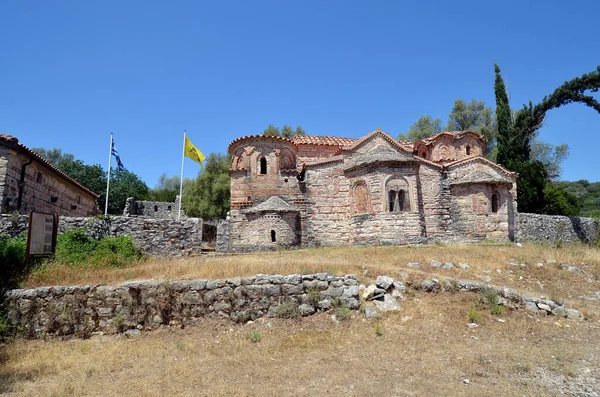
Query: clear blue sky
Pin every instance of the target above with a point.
(73, 71)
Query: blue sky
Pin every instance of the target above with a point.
(74, 71)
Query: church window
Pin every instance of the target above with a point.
(361, 198)
(468, 150)
(495, 202)
(263, 166)
(273, 236)
(397, 195)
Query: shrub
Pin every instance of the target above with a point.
(313, 296)
(474, 316)
(378, 329)
(255, 336)
(287, 309)
(12, 261)
(76, 248)
(342, 313)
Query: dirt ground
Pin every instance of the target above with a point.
(425, 349)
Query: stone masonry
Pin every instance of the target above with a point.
(315, 190)
(161, 237)
(28, 182)
(84, 310)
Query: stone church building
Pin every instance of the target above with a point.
(321, 190)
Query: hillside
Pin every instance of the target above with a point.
(587, 193)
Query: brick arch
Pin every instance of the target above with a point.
(361, 200)
(287, 160)
(397, 184)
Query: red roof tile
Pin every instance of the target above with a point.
(322, 140)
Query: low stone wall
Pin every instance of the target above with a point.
(85, 310)
(163, 237)
(554, 229)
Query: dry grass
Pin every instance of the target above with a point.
(424, 350)
(494, 260)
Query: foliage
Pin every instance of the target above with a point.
(123, 184)
(473, 315)
(287, 309)
(76, 248)
(342, 313)
(425, 127)
(254, 336)
(549, 155)
(474, 116)
(558, 201)
(12, 261)
(207, 196)
(166, 189)
(587, 195)
(285, 132)
(516, 136)
(378, 329)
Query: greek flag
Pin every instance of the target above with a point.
(114, 152)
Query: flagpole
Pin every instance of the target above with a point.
(108, 179)
(181, 179)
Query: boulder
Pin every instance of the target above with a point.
(387, 304)
(384, 282)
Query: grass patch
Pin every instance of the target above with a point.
(255, 336)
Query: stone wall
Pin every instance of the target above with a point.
(223, 236)
(152, 209)
(154, 236)
(85, 310)
(554, 229)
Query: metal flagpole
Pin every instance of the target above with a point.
(108, 179)
(181, 179)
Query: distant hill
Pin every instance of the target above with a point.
(587, 193)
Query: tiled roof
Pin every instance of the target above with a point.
(273, 204)
(258, 136)
(322, 140)
(10, 140)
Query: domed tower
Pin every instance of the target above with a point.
(262, 167)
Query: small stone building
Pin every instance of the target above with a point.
(28, 182)
(321, 190)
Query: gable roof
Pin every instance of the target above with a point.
(484, 160)
(13, 142)
(403, 145)
(379, 154)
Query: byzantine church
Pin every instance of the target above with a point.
(324, 190)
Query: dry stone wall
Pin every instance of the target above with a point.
(163, 237)
(553, 229)
(143, 305)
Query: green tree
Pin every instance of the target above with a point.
(474, 116)
(123, 184)
(285, 132)
(425, 127)
(167, 188)
(207, 196)
(516, 135)
(549, 155)
(55, 156)
(558, 201)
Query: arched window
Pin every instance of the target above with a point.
(263, 166)
(468, 150)
(397, 194)
(361, 198)
(156, 208)
(273, 236)
(495, 202)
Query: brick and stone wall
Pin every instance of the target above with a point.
(44, 190)
(144, 305)
(162, 237)
(553, 229)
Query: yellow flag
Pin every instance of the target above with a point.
(192, 152)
